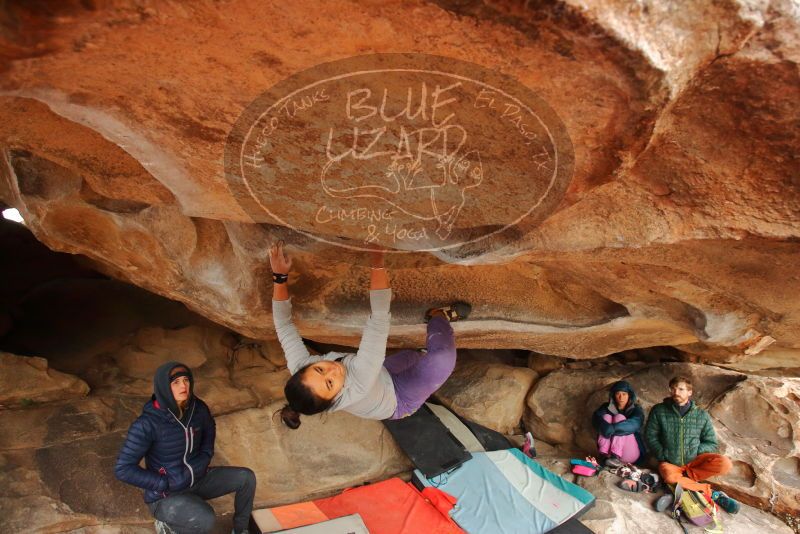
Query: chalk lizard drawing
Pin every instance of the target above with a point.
(422, 183)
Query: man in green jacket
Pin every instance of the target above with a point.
(679, 434)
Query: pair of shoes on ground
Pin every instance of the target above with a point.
(647, 483)
(633, 478)
(456, 311)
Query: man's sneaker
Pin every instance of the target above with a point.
(163, 528)
(728, 504)
(612, 462)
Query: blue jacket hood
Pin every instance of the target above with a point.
(161, 386)
(626, 387)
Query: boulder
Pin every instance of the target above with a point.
(49, 515)
(57, 466)
(267, 387)
(58, 423)
(68, 486)
(758, 424)
(327, 453)
(709, 382)
(490, 394)
(504, 357)
(249, 353)
(27, 379)
(81, 474)
(558, 410)
(223, 397)
(154, 346)
(544, 363)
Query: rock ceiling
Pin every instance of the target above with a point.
(676, 225)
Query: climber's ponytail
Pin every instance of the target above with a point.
(290, 417)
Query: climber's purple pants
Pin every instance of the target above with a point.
(417, 375)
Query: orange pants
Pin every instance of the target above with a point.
(701, 468)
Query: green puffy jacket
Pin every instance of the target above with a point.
(678, 440)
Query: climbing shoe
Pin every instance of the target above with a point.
(456, 311)
(725, 502)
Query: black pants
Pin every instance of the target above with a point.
(186, 512)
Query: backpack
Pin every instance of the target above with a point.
(697, 509)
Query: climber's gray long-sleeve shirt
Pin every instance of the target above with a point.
(368, 390)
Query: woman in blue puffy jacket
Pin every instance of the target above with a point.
(619, 426)
(175, 436)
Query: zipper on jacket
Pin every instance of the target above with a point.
(683, 453)
(186, 441)
(185, 451)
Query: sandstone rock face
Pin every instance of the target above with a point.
(28, 379)
(544, 364)
(57, 469)
(760, 421)
(492, 395)
(326, 453)
(680, 215)
(557, 405)
(141, 359)
(755, 419)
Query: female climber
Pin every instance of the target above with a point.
(367, 383)
(619, 427)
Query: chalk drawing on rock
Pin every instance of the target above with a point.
(409, 151)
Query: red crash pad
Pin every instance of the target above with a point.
(393, 507)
